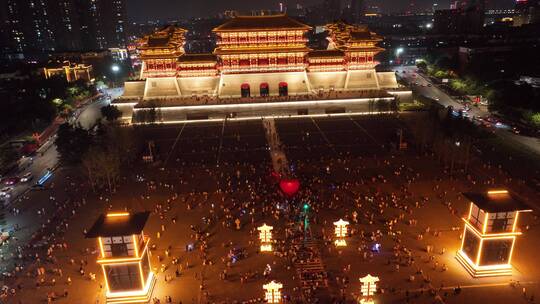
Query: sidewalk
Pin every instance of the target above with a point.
(279, 159)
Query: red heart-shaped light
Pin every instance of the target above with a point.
(289, 186)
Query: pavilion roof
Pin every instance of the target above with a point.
(346, 35)
(107, 226)
(169, 36)
(261, 23)
(500, 201)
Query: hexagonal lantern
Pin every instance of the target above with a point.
(124, 256)
(489, 233)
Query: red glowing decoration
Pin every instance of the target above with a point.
(289, 186)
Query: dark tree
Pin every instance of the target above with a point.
(72, 143)
(111, 113)
(8, 157)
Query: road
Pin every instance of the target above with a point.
(47, 155)
(430, 90)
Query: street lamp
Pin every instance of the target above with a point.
(399, 51)
(115, 69)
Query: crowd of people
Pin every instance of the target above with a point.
(221, 201)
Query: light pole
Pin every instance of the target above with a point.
(115, 69)
(305, 212)
(399, 51)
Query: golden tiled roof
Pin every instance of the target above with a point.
(168, 37)
(261, 23)
(347, 36)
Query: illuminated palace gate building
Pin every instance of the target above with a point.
(257, 56)
(124, 257)
(490, 233)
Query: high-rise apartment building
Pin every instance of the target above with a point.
(465, 17)
(65, 24)
(42, 26)
(26, 26)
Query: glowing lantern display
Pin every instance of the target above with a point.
(490, 233)
(341, 232)
(368, 288)
(265, 235)
(289, 186)
(124, 257)
(272, 292)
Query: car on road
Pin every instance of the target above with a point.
(6, 192)
(27, 177)
(10, 181)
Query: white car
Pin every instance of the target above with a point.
(27, 177)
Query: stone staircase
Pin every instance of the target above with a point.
(310, 268)
(279, 159)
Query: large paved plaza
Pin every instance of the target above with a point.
(211, 176)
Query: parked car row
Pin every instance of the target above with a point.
(13, 180)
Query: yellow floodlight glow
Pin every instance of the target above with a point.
(514, 225)
(479, 239)
(117, 214)
(135, 251)
(101, 247)
(485, 223)
(502, 191)
(136, 246)
(141, 275)
(478, 255)
(105, 276)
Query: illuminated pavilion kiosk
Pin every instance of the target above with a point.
(124, 256)
(490, 233)
(257, 59)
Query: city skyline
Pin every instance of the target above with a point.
(141, 10)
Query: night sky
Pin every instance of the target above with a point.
(144, 10)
